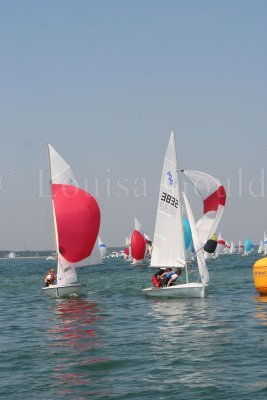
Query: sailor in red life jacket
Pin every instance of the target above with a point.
(50, 277)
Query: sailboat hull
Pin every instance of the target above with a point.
(179, 290)
(55, 291)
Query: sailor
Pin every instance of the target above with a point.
(50, 277)
(174, 276)
(166, 276)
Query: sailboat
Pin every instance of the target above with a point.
(138, 244)
(240, 247)
(220, 245)
(261, 247)
(232, 248)
(76, 218)
(248, 246)
(265, 244)
(102, 247)
(168, 243)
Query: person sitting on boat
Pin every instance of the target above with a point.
(174, 276)
(156, 278)
(50, 277)
(166, 276)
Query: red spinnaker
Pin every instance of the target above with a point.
(138, 245)
(212, 202)
(78, 221)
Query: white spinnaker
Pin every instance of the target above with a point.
(207, 186)
(168, 242)
(203, 270)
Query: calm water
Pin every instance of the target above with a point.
(118, 344)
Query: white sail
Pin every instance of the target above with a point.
(265, 244)
(168, 242)
(61, 172)
(240, 247)
(232, 248)
(138, 227)
(202, 267)
(220, 245)
(213, 195)
(261, 247)
(102, 247)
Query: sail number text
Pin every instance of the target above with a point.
(169, 199)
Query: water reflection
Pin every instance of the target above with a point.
(74, 343)
(261, 309)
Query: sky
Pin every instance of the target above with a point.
(104, 81)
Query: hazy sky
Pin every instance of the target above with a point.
(105, 81)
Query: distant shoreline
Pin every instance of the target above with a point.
(22, 257)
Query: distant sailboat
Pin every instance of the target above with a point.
(232, 248)
(240, 247)
(248, 247)
(76, 218)
(138, 244)
(102, 247)
(220, 245)
(261, 247)
(12, 255)
(168, 243)
(227, 247)
(265, 244)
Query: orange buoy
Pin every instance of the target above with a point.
(260, 275)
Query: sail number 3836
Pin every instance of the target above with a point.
(169, 199)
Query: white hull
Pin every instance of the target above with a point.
(179, 290)
(140, 263)
(74, 290)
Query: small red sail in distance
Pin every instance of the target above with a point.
(138, 245)
(78, 221)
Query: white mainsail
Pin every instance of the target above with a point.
(102, 247)
(168, 242)
(265, 244)
(261, 247)
(232, 248)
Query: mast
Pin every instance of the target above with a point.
(181, 222)
(180, 212)
(53, 208)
